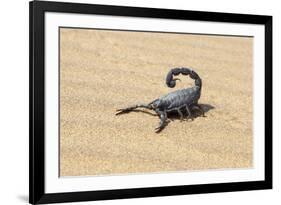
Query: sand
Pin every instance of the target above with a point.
(101, 71)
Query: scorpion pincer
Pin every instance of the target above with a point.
(176, 101)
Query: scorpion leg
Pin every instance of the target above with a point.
(202, 110)
(128, 109)
(180, 113)
(199, 107)
(163, 118)
(189, 112)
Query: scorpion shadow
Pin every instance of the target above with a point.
(195, 113)
(175, 116)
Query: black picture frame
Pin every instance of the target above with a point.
(37, 193)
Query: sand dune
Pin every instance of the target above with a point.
(101, 71)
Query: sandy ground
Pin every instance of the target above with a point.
(101, 71)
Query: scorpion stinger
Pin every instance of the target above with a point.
(178, 101)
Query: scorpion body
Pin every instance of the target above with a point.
(176, 101)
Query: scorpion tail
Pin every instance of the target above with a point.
(171, 81)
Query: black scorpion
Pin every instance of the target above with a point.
(176, 101)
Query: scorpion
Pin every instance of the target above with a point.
(176, 101)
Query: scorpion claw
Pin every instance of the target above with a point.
(158, 129)
(131, 108)
(120, 111)
(163, 118)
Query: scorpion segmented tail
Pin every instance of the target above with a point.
(171, 82)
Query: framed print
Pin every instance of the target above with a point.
(140, 102)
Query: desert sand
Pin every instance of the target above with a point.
(101, 71)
